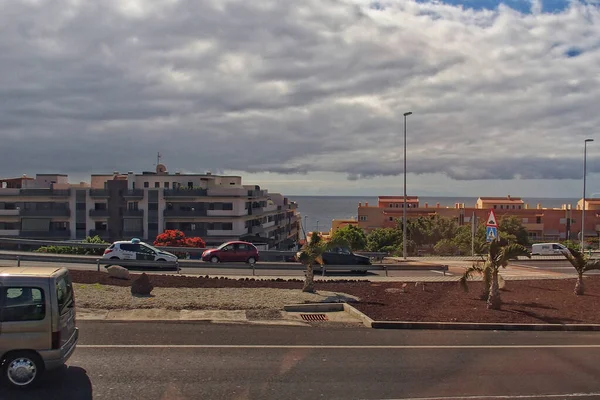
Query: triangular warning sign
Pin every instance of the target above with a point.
(491, 221)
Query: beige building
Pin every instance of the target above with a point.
(120, 206)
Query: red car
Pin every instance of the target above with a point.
(232, 252)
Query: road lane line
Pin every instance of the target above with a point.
(333, 347)
(519, 396)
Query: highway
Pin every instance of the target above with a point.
(563, 266)
(213, 270)
(177, 361)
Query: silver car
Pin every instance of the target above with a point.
(37, 322)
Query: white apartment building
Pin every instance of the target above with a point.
(121, 206)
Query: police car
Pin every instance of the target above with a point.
(135, 249)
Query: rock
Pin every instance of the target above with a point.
(115, 271)
(141, 286)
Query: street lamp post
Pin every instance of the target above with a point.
(583, 200)
(304, 227)
(317, 226)
(406, 114)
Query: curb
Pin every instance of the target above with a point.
(330, 307)
(483, 326)
(370, 323)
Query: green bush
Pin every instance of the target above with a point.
(74, 249)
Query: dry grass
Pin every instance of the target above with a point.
(97, 296)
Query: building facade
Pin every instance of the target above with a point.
(121, 206)
(541, 223)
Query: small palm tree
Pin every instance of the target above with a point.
(581, 263)
(312, 253)
(500, 252)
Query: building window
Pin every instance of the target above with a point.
(146, 185)
(190, 185)
(362, 217)
(22, 304)
(501, 206)
(495, 206)
(80, 226)
(538, 220)
(166, 185)
(152, 226)
(156, 184)
(513, 207)
(132, 206)
(519, 207)
(228, 206)
(391, 218)
(152, 206)
(227, 226)
(80, 206)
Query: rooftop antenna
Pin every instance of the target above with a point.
(158, 157)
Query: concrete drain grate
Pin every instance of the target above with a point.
(314, 317)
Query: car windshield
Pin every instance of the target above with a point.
(152, 247)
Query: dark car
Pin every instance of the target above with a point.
(343, 256)
(232, 252)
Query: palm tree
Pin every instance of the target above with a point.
(312, 253)
(500, 252)
(581, 263)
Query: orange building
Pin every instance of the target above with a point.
(541, 223)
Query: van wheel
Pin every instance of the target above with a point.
(22, 369)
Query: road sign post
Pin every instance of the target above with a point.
(491, 227)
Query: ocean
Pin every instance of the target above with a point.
(326, 208)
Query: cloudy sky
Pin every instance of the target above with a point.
(307, 97)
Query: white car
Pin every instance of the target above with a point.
(135, 249)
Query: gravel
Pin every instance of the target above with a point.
(97, 296)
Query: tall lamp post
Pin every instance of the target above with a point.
(406, 114)
(318, 227)
(304, 228)
(583, 202)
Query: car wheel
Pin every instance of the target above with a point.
(252, 260)
(214, 259)
(22, 369)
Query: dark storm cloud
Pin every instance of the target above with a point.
(296, 87)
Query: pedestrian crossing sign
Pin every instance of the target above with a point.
(491, 233)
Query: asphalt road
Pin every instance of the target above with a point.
(238, 272)
(175, 361)
(563, 267)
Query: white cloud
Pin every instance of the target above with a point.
(310, 87)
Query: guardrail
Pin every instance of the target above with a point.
(271, 255)
(179, 265)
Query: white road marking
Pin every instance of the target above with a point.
(441, 272)
(333, 347)
(522, 396)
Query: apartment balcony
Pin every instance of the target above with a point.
(133, 194)
(99, 193)
(102, 233)
(257, 229)
(256, 211)
(9, 213)
(99, 213)
(533, 227)
(269, 224)
(184, 213)
(45, 213)
(133, 213)
(224, 213)
(62, 234)
(257, 193)
(228, 192)
(9, 232)
(9, 192)
(184, 193)
(46, 192)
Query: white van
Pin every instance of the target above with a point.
(548, 249)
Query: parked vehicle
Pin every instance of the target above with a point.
(546, 249)
(37, 322)
(232, 252)
(135, 249)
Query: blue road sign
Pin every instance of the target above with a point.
(491, 233)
